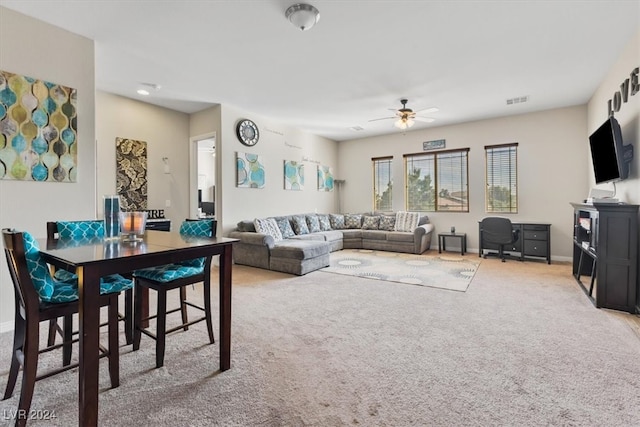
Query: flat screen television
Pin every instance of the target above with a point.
(608, 153)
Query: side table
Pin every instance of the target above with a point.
(442, 238)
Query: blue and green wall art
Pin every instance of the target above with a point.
(325, 178)
(38, 130)
(249, 170)
(293, 175)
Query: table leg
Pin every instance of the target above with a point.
(89, 313)
(225, 307)
(461, 245)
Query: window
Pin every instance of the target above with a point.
(437, 181)
(502, 178)
(382, 184)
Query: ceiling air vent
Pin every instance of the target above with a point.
(517, 100)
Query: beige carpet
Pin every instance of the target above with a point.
(522, 347)
(445, 271)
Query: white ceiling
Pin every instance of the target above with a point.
(464, 57)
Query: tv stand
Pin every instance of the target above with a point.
(605, 248)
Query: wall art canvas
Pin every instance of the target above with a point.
(293, 175)
(131, 174)
(325, 178)
(38, 130)
(250, 171)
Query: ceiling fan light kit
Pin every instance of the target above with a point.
(406, 117)
(303, 16)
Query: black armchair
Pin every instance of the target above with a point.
(498, 231)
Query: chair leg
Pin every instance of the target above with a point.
(18, 345)
(183, 307)
(137, 312)
(128, 315)
(30, 367)
(114, 344)
(53, 326)
(501, 253)
(67, 346)
(207, 309)
(161, 327)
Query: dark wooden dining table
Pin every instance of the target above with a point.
(96, 258)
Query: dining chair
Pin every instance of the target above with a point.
(174, 276)
(41, 297)
(78, 230)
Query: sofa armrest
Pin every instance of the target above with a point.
(423, 229)
(251, 238)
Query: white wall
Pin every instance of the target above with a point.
(167, 135)
(629, 118)
(32, 48)
(552, 170)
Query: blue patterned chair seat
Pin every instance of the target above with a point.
(53, 290)
(169, 272)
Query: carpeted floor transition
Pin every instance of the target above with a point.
(521, 347)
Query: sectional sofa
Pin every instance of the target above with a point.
(299, 244)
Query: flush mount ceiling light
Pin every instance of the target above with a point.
(302, 15)
(145, 88)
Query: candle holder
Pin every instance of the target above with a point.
(132, 225)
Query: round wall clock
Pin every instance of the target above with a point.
(247, 132)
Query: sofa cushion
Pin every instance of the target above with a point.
(325, 223)
(398, 236)
(370, 222)
(337, 221)
(313, 223)
(374, 235)
(407, 221)
(353, 233)
(269, 227)
(331, 235)
(353, 221)
(246, 226)
(387, 222)
(285, 226)
(299, 224)
(299, 249)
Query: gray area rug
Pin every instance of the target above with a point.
(522, 347)
(445, 271)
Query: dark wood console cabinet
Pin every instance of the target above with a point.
(534, 241)
(605, 248)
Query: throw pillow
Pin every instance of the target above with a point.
(370, 222)
(299, 224)
(387, 223)
(246, 226)
(313, 223)
(353, 221)
(325, 224)
(407, 221)
(285, 226)
(269, 227)
(337, 221)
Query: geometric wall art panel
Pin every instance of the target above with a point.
(38, 130)
(293, 175)
(325, 178)
(250, 171)
(131, 174)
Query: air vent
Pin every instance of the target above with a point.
(517, 100)
(356, 128)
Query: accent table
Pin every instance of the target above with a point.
(442, 238)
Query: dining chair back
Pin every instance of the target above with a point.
(79, 230)
(174, 276)
(40, 297)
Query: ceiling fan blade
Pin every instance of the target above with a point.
(429, 110)
(383, 118)
(423, 119)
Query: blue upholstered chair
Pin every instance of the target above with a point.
(40, 297)
(174, 276)
(81, 231)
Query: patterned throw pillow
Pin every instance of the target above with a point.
(325, 224)
(269, 227)
(336, 221)
(353, 221)
(370, 222)
(407, 221)
(299, 224)
(285, 226)
(387, 222)
(313, 223)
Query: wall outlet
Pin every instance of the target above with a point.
(167, 203)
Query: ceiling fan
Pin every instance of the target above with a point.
(406, 116)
